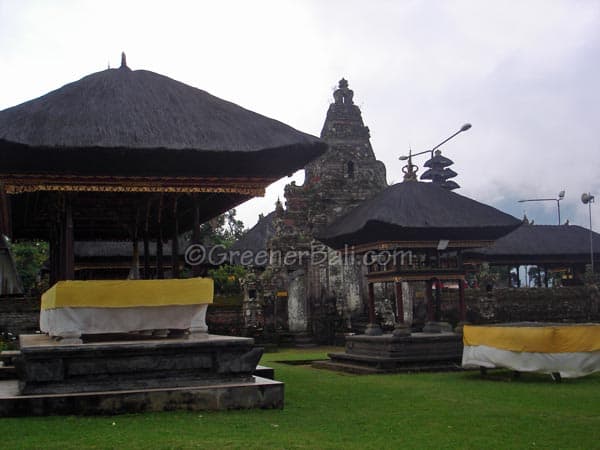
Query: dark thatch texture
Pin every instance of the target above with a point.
(531, 244)
(124, 122)
(414, 211)
(255, 240)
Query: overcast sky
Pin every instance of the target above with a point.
(524, 73)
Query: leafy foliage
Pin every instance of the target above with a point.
(227, 279)
(29, 258)
(222, 230)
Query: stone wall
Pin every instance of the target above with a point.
(565, 304)
(19, 314)
(226, 320)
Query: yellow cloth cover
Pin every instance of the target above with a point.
(543, 339)
(128, 293)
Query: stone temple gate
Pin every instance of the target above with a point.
(314, 292)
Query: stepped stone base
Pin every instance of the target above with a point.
(389, 353)
(256, 393)
(109, 377)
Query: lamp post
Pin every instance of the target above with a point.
(588, 199)
(561, 196)
(465, 127)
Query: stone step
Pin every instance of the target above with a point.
(360, 369)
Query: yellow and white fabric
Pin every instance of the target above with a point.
(571, 350)
(73, 308)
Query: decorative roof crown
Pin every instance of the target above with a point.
(343, 95)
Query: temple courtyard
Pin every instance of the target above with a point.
(327, 409)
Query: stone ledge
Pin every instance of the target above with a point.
(258, 393)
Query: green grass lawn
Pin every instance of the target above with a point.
(330, 410)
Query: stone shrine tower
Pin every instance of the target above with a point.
(324, 294)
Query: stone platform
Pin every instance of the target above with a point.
(257, 392)
(132, 375)
(388, 353)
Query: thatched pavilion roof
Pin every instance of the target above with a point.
(128, 145)
(414, 213)
(255, 240)
(539, 244)
(136, 122)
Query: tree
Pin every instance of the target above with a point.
(222, 230)
(29, 258)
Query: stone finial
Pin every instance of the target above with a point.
(343, 95)
(279, 206)
(123, 60)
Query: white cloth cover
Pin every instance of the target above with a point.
(73, 322)
(569, 365)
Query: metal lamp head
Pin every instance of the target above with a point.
(561, 195)
(587, 198)
(465, 127)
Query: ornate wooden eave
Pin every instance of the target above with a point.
(415, 275)
(16, 184)
(409, 245)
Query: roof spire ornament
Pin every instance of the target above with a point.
(343, 95)
(410, 170)
(438, 171)
(123, 61)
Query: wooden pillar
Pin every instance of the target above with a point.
(68, 244)
(196, 269)
(509, 277)
(5, 222)
(54, 256)
(160, 273)
(429, 300)
(438, 301)
(147, 243)
(175, 242)
(135, 259)
(399, 303)
(371, 305)
(462, 307)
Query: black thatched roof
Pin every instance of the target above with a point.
(124, 122)
(415, 211)
(255, 240)
(531, 244)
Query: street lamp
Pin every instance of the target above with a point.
(465, 127)
(588, 199)
(561, 195)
